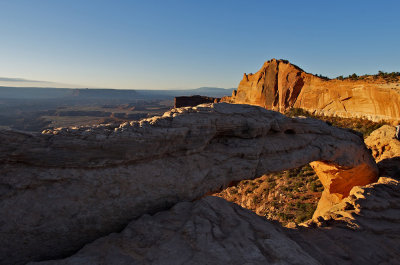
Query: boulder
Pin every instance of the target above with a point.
(383, 143)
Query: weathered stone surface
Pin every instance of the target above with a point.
(64, 188)
(386, 150)
(383, 143)
(208, 231)
(279, 86)
(338, 181)
(363, 229)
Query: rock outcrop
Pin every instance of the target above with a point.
(363, 229)
(208, 231)
(67, 187)
(191, 101)
(386, 150)
(279, 86)
(383, 143)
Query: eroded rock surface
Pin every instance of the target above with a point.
(363, 229)
(386, 150)
(208, 231)
(383, 143)
(279, 86)
(65, 188)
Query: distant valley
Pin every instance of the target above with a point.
(38, 108)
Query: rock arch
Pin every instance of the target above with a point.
(66, 187)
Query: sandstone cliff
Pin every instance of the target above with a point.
(67, 187)
(279, 86)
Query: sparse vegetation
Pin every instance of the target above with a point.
(363, 126)
(353, 76)
(287, 196)
(388, 77)
(323, 77)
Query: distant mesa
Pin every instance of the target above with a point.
(104, 93)
(40, 93)
(191, 101)
(280, 86)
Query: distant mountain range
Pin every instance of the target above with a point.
(88, 93)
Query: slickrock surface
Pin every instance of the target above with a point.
(279, 86)
(65, 188)
(363, 229)
(208, 231)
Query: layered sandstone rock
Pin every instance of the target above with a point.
(279, 86)
(66, 187)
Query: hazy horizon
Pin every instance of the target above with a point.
(25, 83)
(186, 45)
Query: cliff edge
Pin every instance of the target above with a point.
(280, 85)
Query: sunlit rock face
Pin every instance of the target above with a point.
(279, 86)
(64, 188)
(383, 143)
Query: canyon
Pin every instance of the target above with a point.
(280, 86)
(65, 188)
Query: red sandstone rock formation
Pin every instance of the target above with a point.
(279, 86)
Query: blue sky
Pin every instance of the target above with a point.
(188, 44)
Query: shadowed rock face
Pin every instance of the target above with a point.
(279, 86)
(362, 229)
(64, 188)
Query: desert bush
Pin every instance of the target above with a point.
(389, 77)
(364, 126)
(323, 77)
